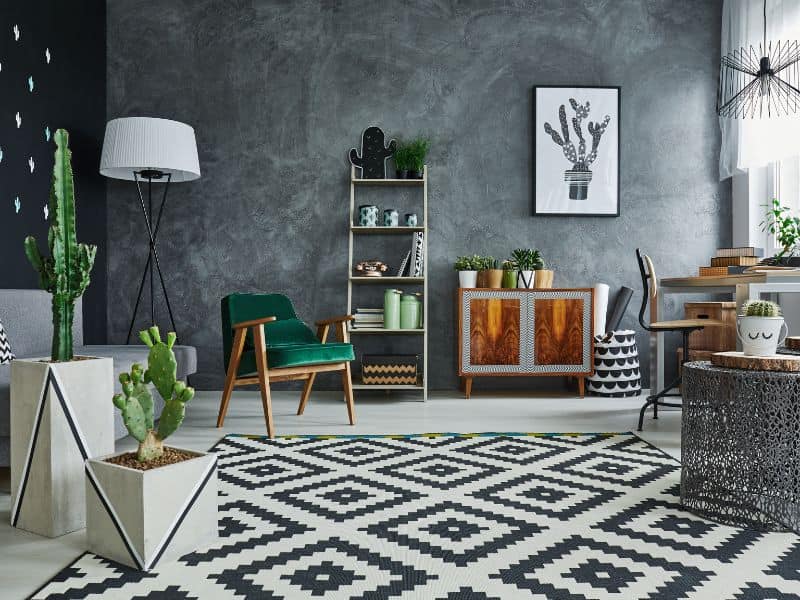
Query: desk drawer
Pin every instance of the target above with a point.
(717, 339)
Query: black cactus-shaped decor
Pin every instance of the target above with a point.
(374, 154)
(579, 176)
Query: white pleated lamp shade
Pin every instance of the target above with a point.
(143, 143)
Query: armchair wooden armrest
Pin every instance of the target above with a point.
(332, 320)
(254, 322)
(341, 327)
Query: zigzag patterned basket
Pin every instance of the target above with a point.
(616, 365)
(381, 369)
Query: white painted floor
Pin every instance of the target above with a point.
(27, 561)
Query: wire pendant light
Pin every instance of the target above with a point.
(763, 82)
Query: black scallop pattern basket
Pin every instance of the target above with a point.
(616, 365)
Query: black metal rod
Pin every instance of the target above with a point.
(152, 287)
(154, 250)
(148, 263)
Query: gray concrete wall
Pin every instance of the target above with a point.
(279, 91)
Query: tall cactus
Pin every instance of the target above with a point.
(136, 402)
(65, 273)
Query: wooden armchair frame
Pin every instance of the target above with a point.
(264, 375)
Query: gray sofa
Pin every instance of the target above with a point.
(27, 319)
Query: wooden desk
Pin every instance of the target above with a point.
(744, 287)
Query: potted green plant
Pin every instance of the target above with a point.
(509, 278)
(786, 229)
(527, 260)
(489, 273)
(402, 160)
(418, 151)
(158, 502)
(467, 267)
(59, 405)
(761, 328)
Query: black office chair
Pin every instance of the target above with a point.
(685, 326)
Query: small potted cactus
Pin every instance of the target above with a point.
(761, 328)
(493, 274)
(467, 267)
(158, 502)
(509, 269)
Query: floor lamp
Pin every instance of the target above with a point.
(151, 151)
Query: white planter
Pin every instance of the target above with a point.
(144, 518)
(526, 279)
(468, 279)
(61, 414)
(760, 336)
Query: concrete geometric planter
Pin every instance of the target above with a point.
(143, 518)
(61, 414)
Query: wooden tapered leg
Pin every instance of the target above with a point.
(230, 378)
(467, 387)
(306, 393)
(581, 386)
(263, 377)
(347, 384)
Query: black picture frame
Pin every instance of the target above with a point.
(581, 180)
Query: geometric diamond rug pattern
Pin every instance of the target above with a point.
(453, 517)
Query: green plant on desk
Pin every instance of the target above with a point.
(761, 308)
(785, 227)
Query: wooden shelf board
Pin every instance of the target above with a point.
(414, 280)
(385, 230)
(383, 331)
(400, 182)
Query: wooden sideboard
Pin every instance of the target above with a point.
(525, 332)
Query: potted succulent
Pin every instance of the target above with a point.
(527, 260)
(489, 273)
(761, 328)
(402, 160)
(418, 151)
(786, 228)
(467, 267)
(158, 502)
(543, 278)
(59, 405)
(509, 278)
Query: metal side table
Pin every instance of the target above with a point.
(740, 444)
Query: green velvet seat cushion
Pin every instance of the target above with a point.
(296, 355)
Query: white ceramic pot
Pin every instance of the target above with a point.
(144, 518)
(468, 279)
(760, 336)
(526, 279)
(61, 413)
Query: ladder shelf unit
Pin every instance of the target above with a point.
(353, 282)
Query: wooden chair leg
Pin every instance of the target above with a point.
(347, 384)
(263, 377)
(306, 393)
(230, 378)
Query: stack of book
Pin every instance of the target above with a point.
(732, 261)
(368, 318)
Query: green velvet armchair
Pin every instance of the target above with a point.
(264, 341)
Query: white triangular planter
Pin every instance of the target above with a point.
(145, 518)
(61, 413)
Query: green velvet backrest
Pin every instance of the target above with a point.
(246, 307)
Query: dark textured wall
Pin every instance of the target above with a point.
(68, 92)
(279, 91)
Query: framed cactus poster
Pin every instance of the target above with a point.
(576, 151)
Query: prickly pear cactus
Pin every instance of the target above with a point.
(162, 368)
(761, 308)
(136, 402)
(374, 154)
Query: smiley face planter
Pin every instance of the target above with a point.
(760, 336)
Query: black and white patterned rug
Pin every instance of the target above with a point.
(454, 517)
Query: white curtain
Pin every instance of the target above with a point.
(750, 143)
